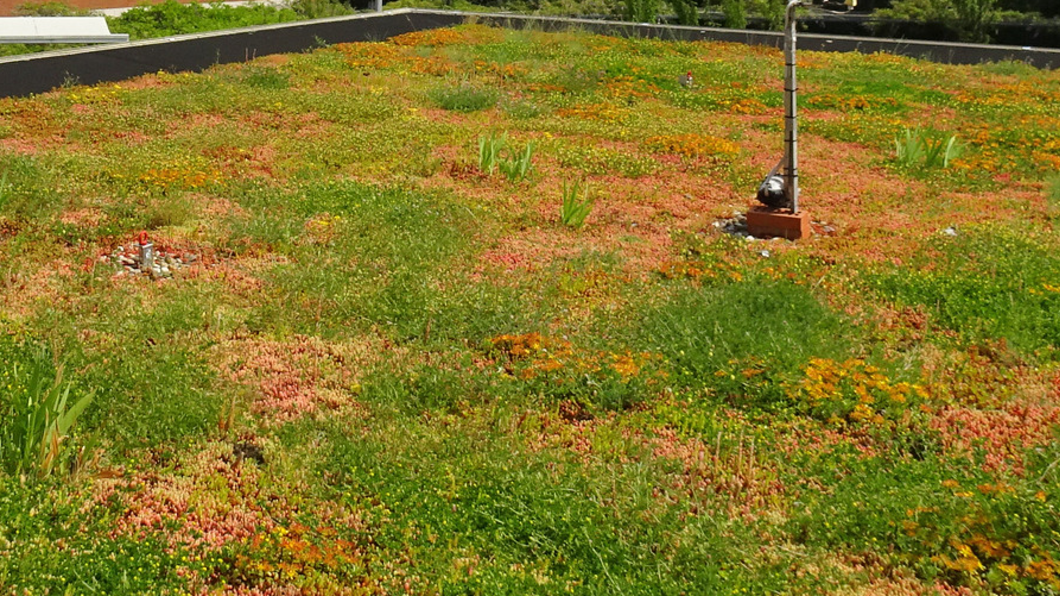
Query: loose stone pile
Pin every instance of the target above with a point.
(735, 225)
(128, 260)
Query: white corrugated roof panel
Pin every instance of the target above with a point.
(57, 30)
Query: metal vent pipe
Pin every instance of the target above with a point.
(781, 187)
(791, 125)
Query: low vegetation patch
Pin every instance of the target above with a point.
(472, 311)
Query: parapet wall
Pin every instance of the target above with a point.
(41, 72)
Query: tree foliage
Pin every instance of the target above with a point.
(968, 20)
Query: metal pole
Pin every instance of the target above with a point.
(791, 126)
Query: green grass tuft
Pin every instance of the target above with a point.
(1052, 196)
(464, 97)
(712, 336)
(986, 284)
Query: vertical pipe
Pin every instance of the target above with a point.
(791, 148)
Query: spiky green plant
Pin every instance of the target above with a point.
(915, 147)
(3, 190)
(517, 167)
(489, 152)
(938, 152)
(577, 204)
(35, 435)
(909, 148)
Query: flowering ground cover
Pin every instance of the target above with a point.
(461, 312)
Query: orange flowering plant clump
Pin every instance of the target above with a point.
(533, 346)
(853, 392)
(990, 533)
(301, 552)
(554, 367)
(447, 37)
(370, 55)
(694, 145)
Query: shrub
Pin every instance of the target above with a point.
(174, 18)
(771, 10)
(642, 11)
(968, 20)
(1046, 8)
(52, 8)
(320, 9)
(735, 13)
(687, 11)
